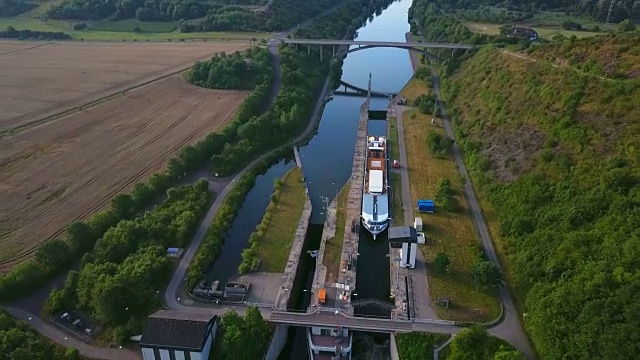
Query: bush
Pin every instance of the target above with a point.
(439, 145)
(80, 26)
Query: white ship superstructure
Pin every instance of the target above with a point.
(375, 198)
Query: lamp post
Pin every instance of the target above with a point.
(336, 194)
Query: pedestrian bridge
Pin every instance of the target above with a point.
(337, 318)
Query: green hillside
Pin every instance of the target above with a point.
(553, 147)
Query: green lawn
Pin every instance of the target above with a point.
(452, 233)
(274, 246)
(115, 30)
(333, 247)
(397, 213)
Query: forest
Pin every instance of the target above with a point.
(196, 15)
(119, 281)
(10, 8)
(597, 10)
(563, 181)
(238, 71)
(19, 341)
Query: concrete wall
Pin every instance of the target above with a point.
(278, 340)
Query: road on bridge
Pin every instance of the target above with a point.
(402, 45)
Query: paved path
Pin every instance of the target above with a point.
(68, 341)
(419, 283)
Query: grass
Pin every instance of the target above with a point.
(274, 246)
(450, 233)
(417, 345)
(397, 212)
(333, 247)
(115, 30)
(545, 32)
(129, 24)
(414, 88)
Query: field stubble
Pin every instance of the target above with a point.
(40, 79)
(66, 170)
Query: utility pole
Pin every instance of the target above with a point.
(606, 23)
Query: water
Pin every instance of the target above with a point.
(327, 161)
(248, 217)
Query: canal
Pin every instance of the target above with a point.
(327, 160)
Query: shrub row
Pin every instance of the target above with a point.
(12, 33)
(211, 245)
(250, 254)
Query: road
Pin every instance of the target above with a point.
(68, 341)
(419, 282)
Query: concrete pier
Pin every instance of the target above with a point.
(320, 276)
(348, 263)
(284, 292)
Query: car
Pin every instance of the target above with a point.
(396, 164)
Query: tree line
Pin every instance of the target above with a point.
(240, 70)
(119, 282)
(12, 33)
(19, 341)
(620, 10)
(567, 218)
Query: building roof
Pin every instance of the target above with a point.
(173, 329)
(376, 181)
(403, 234)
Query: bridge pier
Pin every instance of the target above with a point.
(321, 51)
(333, 52)
(308, 50)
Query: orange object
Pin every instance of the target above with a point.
(322, 296)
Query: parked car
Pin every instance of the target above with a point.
(396, 164)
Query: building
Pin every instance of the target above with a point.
(173, 335)
(405, 238)
(522, 33)
(329, 343)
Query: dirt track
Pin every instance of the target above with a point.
(40, 79)
(68, 169)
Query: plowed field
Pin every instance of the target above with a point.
(68, 169)
(43, 79)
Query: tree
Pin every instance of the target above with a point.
(444, 195)
(486, 274)
(626, 26)
(505, 353)
(441, 262)
(438, 145)
(469, 344)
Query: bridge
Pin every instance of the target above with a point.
(362, 45)
(358, 91)
(337, 318)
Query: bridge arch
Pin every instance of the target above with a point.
(418, 50)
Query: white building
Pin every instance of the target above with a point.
(406, 239)
(330, 343)
(173, 335)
